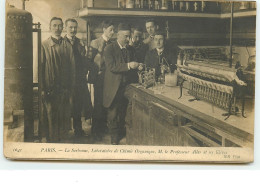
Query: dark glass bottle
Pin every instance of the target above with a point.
(145, 4)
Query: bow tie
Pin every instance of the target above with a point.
(72, 41)
(160, 53)
(107, 42)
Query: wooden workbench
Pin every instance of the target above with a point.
(156, 116)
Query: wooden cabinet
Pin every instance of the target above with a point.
(156, 120)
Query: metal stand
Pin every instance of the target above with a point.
(37, 29)
(181, 86)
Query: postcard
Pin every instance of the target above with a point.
(130, 80)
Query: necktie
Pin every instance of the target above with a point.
(159, 56)
(124, 53)
(108, 42)
(72, 41)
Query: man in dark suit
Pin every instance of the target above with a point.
(81, 97)
(137, 43)
(162, 56)
(120, 70)
(98, 45)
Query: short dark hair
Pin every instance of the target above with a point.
(160, 32)
(70, 20)
(137, 29)
(106, 24)
(150, 20)
(123, 26)
(56, 18)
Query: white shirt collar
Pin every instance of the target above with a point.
(121, 47)
(159, 50)
(69, 37)
(105, 38)
(54, 36)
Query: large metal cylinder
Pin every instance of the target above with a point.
(18, 88)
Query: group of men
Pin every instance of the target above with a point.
(66, 68)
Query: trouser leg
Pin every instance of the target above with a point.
(116, 116)
(113, 123)
(64, 117)
(77, 109)
(121, 116)
(99, 112)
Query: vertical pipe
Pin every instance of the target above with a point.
(167, 29)
(23, 4)
(40, 106)
(231, 35)
(90, 52)
(88, 34)
(82, 3)
(23, 1)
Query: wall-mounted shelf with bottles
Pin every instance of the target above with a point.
(88, 12)
(168, 8)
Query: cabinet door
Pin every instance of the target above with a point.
(141, 123)
(168, 128)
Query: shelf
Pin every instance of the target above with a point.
(90, 12)
(249, 13)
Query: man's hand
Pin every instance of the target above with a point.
(133, 65)
(140, 67)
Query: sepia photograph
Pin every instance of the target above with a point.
(130, 80)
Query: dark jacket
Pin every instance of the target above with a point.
(149, 41)
(82, 66)
(140, 51)
(81, 61)
(116, 71)
(152, 59)
(98, 45)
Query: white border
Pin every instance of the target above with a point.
(126, 177)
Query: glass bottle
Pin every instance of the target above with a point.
(196, 6)
(150, 4)
(179, 61)
(175, 5)
(156, 5)
(187, 7)
(137, 4)
(130, 3)
(182, 6)
(164, 4)
(145, 4)
(203, 6)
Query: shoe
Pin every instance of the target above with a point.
(98, 137)
(122, 134)
(114, 140)
(80, 133)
